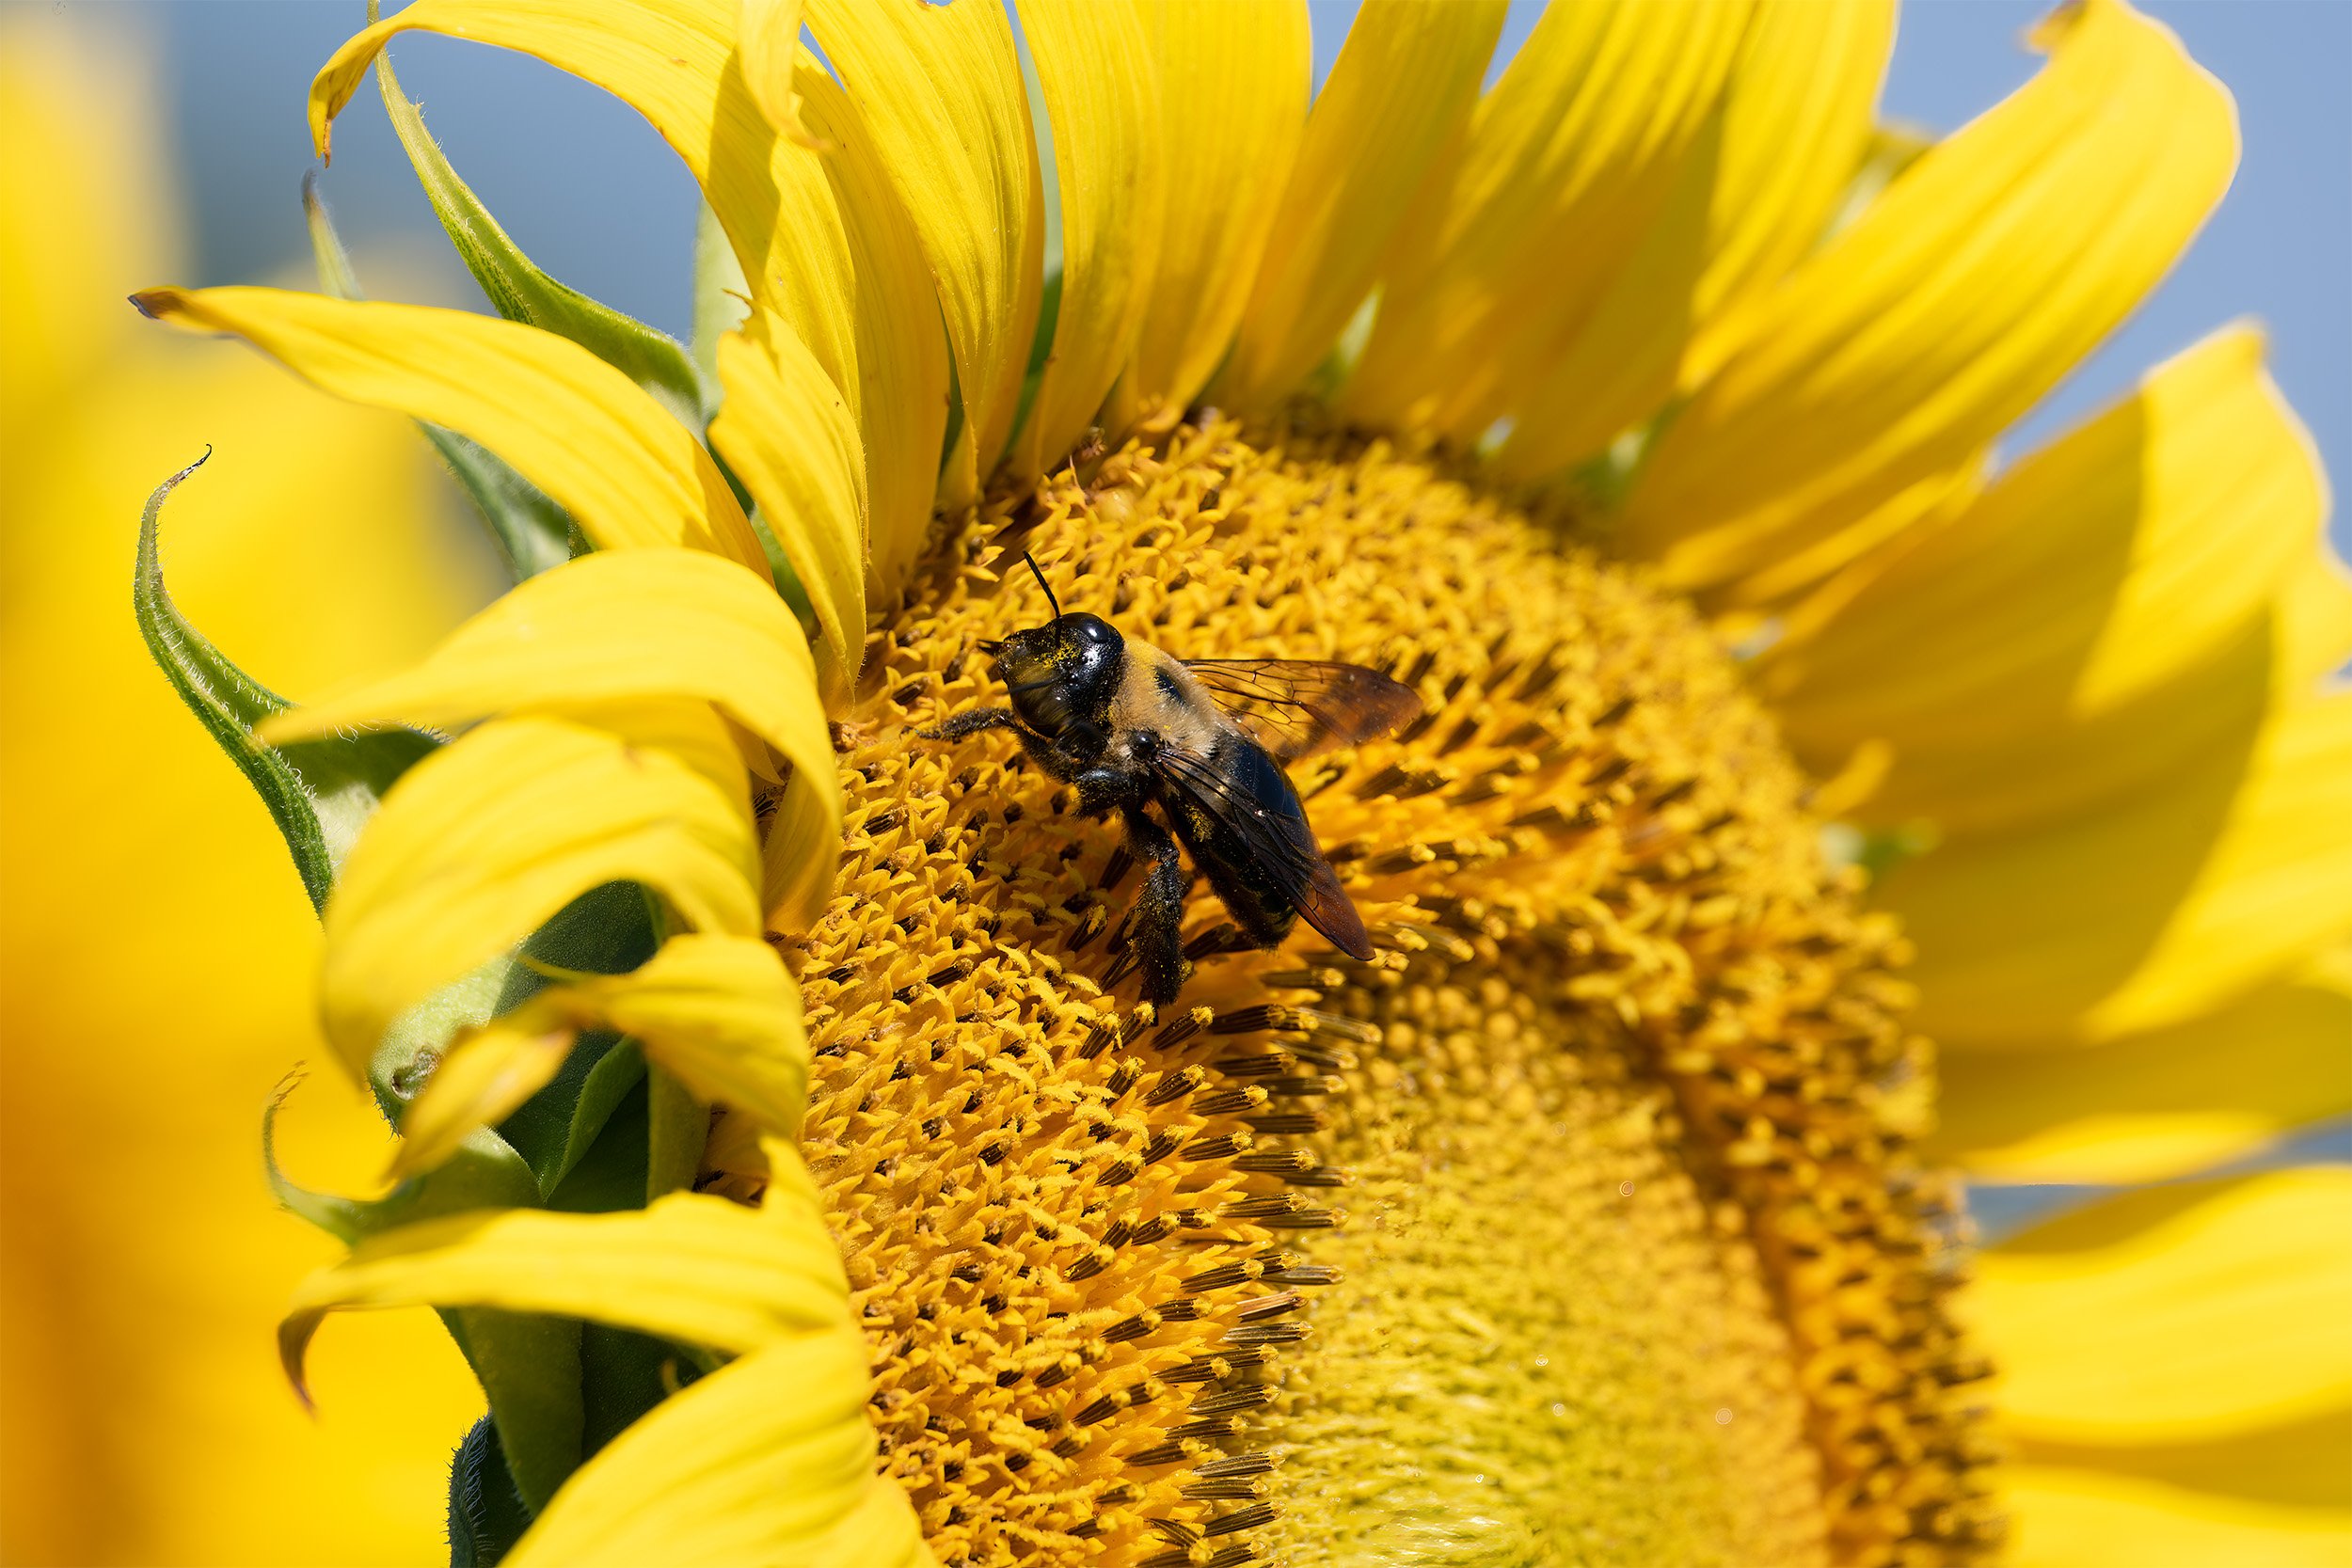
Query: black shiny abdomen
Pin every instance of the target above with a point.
(1237, 868)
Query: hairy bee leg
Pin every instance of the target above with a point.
(1159, 911)
(1040, 750)
(1102, 791)
(956, 726)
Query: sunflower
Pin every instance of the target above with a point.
(782, 1131)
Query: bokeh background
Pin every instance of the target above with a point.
(154, 942)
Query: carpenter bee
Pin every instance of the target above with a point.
(1205, 741)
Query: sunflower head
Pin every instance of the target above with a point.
(1466, 1253)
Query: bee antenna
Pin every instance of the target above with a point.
(1042, 584)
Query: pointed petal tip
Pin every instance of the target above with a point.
(293, 1343)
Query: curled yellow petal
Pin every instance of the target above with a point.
(790, 439)
(1102, 93)
(802, 852)
(769, 1460)
(670, 60)
(2175, 1314)
(581, 431)
(689, 1266)
(1513, 241)
(662, 55)
(2098, 616)
(938, 89)
(608, 627)
(2161, 1103)
(1233, 88)
(1404, 83)
(484, 840)
(1754, 193)
(768, 49)
(872, 291)
(2064, 1517)
(719, 1012)
(1977, 280)
(2149, 909)
(485, 1076)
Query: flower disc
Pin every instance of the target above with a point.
(1577, 1225)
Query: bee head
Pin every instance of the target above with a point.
(1062, 676)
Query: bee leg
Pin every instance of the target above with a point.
(1159, 911)
(956, 726)
(1040, 750)
(1102, 791)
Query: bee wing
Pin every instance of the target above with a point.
(1280, 841)
(1296, 707)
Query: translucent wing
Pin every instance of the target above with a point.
(1272, 826)
(1296, 707)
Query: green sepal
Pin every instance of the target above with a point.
(318, 792)
(520, 292)
(555, 1129)
(531, 531)
(610, 1176)
(487, 1515)
(607, 930)
(624, 1373)
(528, 1367)
(677, 1126)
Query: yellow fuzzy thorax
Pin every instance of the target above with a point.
(1578, 1225)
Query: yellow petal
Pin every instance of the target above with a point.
(938, 89)
(483, 1077)
(786, 435)
(1977, 280)
(2162, 1104)
(2073, 1519)
(2099, 567)
(1405, 82)
(606, 627)
(1511, 243)
(1754, 193)
(769, 52)
(877, 291)
(2175, 1314)
(802, 852)
(2098, 616)
(688, 1265)
(2298, 1464)
(769, 1460)
(1234, 87)
(1102, 92)
(2149, 909)
(581, 431)
(821, 241)
(719, 1012)
(673, 61)
(486, 838)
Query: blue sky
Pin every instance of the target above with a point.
(596, 198)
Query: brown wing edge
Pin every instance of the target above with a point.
(1330, 911)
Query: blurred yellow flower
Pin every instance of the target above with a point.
(1638, 1257)
(153, 930)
